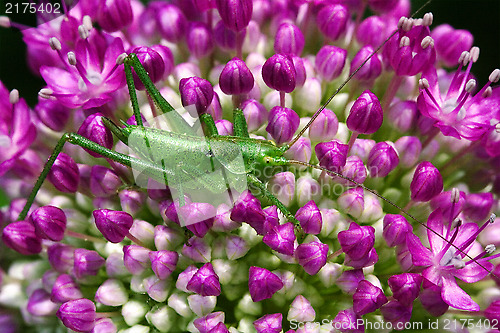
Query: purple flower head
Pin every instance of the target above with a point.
(197, 91)
(289, 39)
(87, 262)
(382, 160)
(78, 315)
(444, 262)
(324, 127)
(262, 284)
(427, 182)
(52, 114)
(279, 73)
(367, 298)
(411, 50)
(408, 148)
(349, 280)
(16, 130)
(93, 76)
(405, 287)
(283, 122)
(114, 225)
(310, 218)
(61, 257)
(171, 21)
(114, 15)
(281, 238)
(457, 112)
(153, 64)
(396, 313)
(352, 201)
(94, 129)
(332, 155)
(403, 115)
(64, 174)
(357, 241)
(236, 78)
(372, 31)
(330, 62)
(347, 320)
(49, 222)
(450, 43)
(311, 256)
(205, 282)
(136, 258)
(270, 323)
(199, 39)
(395, 229)
(65, 289)
(39, 304)
(255, 114)
(235, 13)
(478, 206)
(370, 70)
(366, 114)
(21, 237)
(332, 20)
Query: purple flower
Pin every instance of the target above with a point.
(65, 289)
(270, 323)
(78, 315)
(205, 282)
(21, 237)
(367, 298)
(332, 20)
(114, 225)
(370, 70)
(236, 78)
(199, 39)
(312, 256)
(444, 261)
(49, 222)
(235, 13)
(427, 182)
(163, 262)
(283, 122)
(405, 287)
(332, 155)
(262, 284)
(93, 79)
(64, 174)
(114, 15)
(198, 92)
(87, 262)
(330, 62)
(289, 39)
(309, 217)
(450, 43)
(366, 114)
(395, 229)
(279, 73)
(94, 129)
(357, 241)
(382, 160)
(153, 64)
(281, 238)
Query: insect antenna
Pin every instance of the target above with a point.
(405, 212)
(317, 113)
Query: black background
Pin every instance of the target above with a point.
(481, 17)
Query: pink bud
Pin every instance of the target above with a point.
(283, 122)
(262, 284)
(49, 222)
(279, 73)
(427, 182)
(21, 237)
(367, 298)
(366, 114)
(312, 256)
(78, 315)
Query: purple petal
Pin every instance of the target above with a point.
(456, 297)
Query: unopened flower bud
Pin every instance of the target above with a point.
(478, 206)
(427, 182)
(396, 313)
(224, 38)
(367, 298)
(369, 31)
(352, 201)
(235, 13)
(269, 323)
(197, 91)
(366, 114)
(236, 78)
(199, 39)
(114, 15)
(405, 287)
(136, 259)
(369, 70)
(39, 304)
(332, 155)
(60, 257)
(104, 182)
(310, 218)
(349, 320)
(358, 241)
(205, 282)
(311, 256)
(281, 238)
(382, 5)
(330, 62)
(65, 289)
(21, 237)
(172, 22)
(301, 310)
(283, 122)
(255, 113)
(87, 262)
(348, 281)
(395, 229)
(49, 222)
(236, 247)
(163, 262)
(325, 127)
(382, 159)
(112, 293)
(78, 315)
(152, 62)
(448, 52)
(282, 185)
(64, 174)
(279, 73)
(262, 284)
(210, 322)
(409, 149)
(332, 20)
(289, 39)
(300, 151)
(52, 114)
(132, 201)
(403, 115)
(114, 225)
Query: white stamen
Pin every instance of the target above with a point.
(72, 58)
(45, 93)
(490, 248)
(462, 57)
(455, 195)
(474, 52)
(458, 263)
(408, 24)
(492, 218)
(87, 22)
(83, 31)
(487, 93)
(423, 84)
(497, 128)
(494, 76)
(426, 42)
(470, 85)
(428, 18)
(405, 41)
(121, 58)
(418, 22)
(4, 22)
(55, 44)
(401, 22)
(466, 59)
(14, 96)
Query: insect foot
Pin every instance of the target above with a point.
(251, 165)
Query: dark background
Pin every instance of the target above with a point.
(481, 17)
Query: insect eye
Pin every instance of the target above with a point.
(267, 159)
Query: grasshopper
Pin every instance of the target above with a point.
(237, 159)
